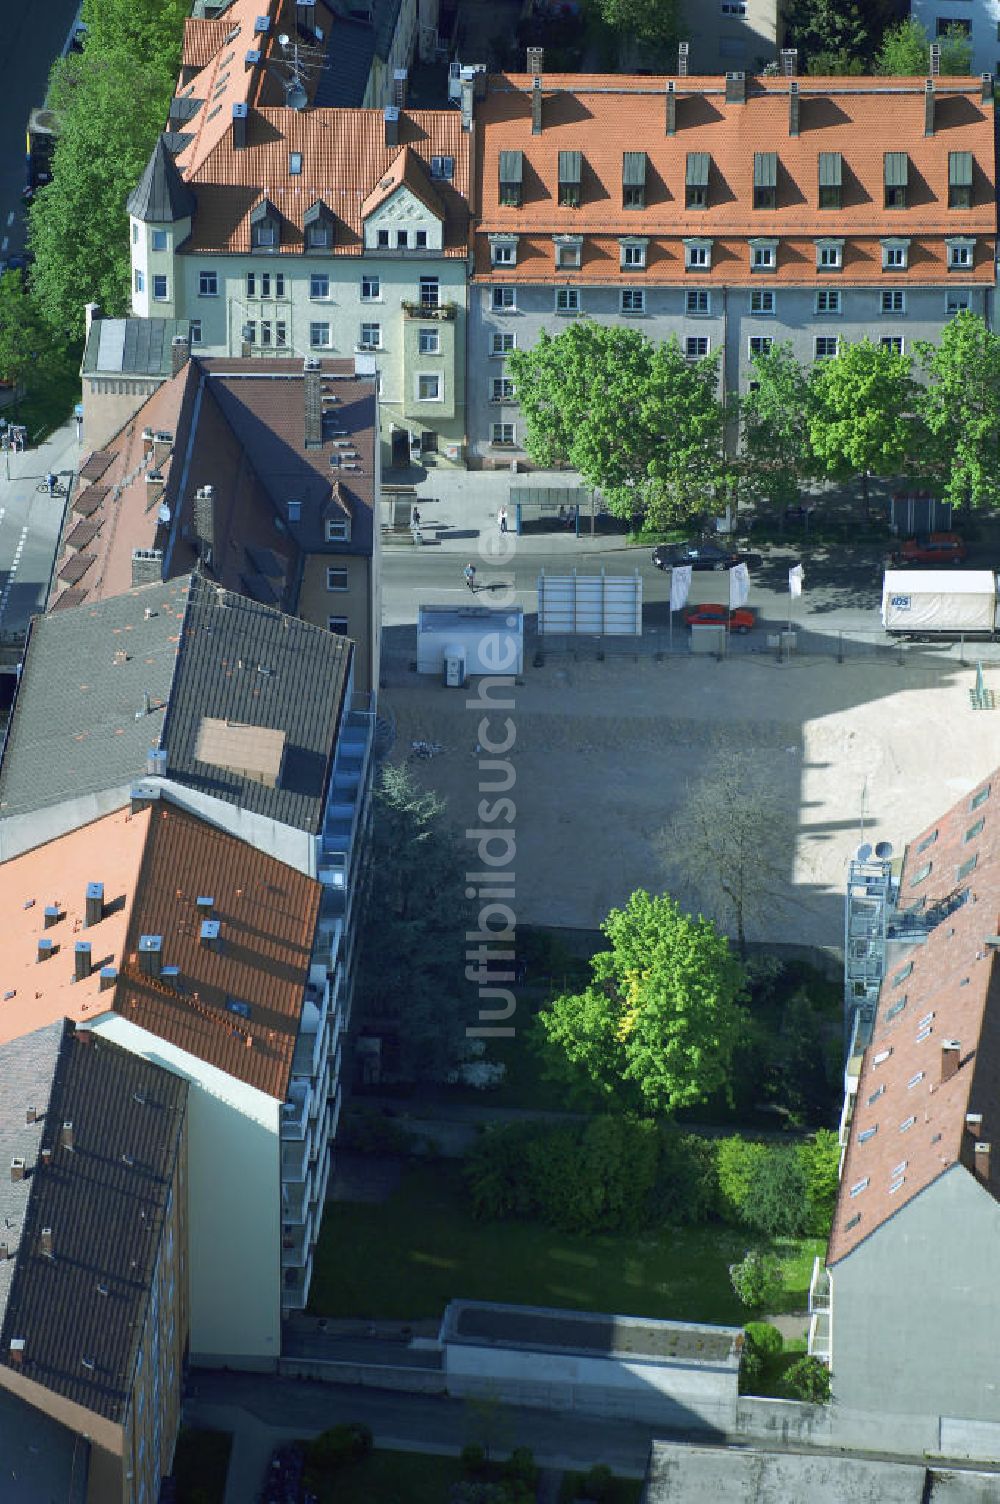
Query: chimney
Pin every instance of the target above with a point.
(46, 948)
(81, 961)
(536, 59)
(203, 523)
(252, 57)
(17, 1351)
(30, 1115)
(47, 1243)
(205, 908)
(91, 312)
(793, 107)
(929, 107)
(150, 955)
(974, 1123)
(789, 61)
(180, 352)
(671, 108)
(682, 59)
(52, 915)
(313, 401)
(46, 1157)
(94, 904)
(163, 443)
(208, 934)
(951, 1055)
(239, 125)
(147, 566)
(17, 1168)
(109, 976)
(736, 88)
(4, 1255)
(536, 105)
(986, 96)
(66, 1135)
(468, 88)
(156, 762)
(390, 117)
(399, 77)
(935, 59)
(982, 1160)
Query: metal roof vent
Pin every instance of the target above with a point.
(150, 955)
(209, 935)
(94, 904)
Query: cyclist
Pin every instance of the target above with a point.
(51, 481)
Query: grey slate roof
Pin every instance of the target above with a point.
(246, 662)
(350, 50)
(133, 347)
(79, 725)
(105, 1200)
(161, 196)
(27, 1066)
(548, 1329)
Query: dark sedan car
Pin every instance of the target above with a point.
(701, 556)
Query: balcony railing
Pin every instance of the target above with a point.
(444, 311)
(819, 1287)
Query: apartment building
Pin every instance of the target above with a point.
(93, 1253)
(979, 19)
(902, 1309)
(230, 733)
(306, 229)
(263, 473)
(731, 212)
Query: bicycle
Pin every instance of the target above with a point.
(57, 490)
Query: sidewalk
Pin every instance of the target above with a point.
(31, 523)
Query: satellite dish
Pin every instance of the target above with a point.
(884, 850)
(283, 39)
(297, 98)
(863, 853)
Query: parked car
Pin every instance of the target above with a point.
(930, 548)
(701, 556)
(741, 619)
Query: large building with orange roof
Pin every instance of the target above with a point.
(731, 212)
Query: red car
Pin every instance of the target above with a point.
(931, 548)
(739, 620)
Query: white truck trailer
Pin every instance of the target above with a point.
(940, 603)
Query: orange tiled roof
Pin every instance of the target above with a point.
(946, 988)
(202, 39)
(861, 118)
(344, 158)
(154, 865)
(407, 171)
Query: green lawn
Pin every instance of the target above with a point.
(407, 1258)
(201, 1463)
(392, 1478)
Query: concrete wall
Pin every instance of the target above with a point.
(728, 326)
(108, 404)
(366, 1375)
(915, 1316)
(317, 604)
(985, 17)
(722, 43)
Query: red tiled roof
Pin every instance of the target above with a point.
(82, 534)
(860, 118)
(95, 464)
(202, 39)
(945, 989)
(406, 172)
(89, 499)
(75, 568)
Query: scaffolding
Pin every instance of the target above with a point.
(869, 904)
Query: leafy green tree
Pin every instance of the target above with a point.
(861, 413)
(26, 346)
(735, 1158)
(829, 33)
(110, 109)
(660, 1020)
(797, 1076)
(412, 972)
(638, 420)
(808, 1380)
(776, 1193)
(820, 1160)
(151, 30)
(960, 407)
(652, 21)
(757, 1278)
(774, 431)
(905, 50)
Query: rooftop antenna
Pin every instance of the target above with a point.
(301, 62)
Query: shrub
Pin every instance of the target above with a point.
(820, 1160)
(734, 1161)
(366, 1131)
(520, 1468)
(765, 1338)
(751, 1369)
(687, 1183)
(339, 1445)
(756, 1278)
(496, 1172)
(808, 1380)
(776, 1196)
(472, 1457)
(597, 1483)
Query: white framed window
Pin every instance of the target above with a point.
(503, 250)
(502, 434)
(250, 332)
(382, 239)
(502, 344)
(895, 255)
(763, 255)
(319, 285)
(295, 511)
(402, 240)
(568, 250)
(829, 255)
(960, 253)
(633, 300)
(697, 255)
(337, 625)
(503, 389)
(429, 341)
(280, 332)
(208, 284)
(430, 292)
(633, 254)
(567, 300)
(371, 336)
(266, 332)
(502, 299)
(696, 346)
(762, 300)
(430, 386)
(338, 530)
(195, 331)
(139, 281)
(159, 287)
(371, 289)
(893, 342)
(336, 579)
(319, 336)
(264, 235)
(420, 239)
(827, 301)
(893, 300)
(760, 344)
(826, 346)
(251, 284)
(135, 233)
(734, 7)
(697, 301)
(443, 167)
(318, 236)
(956, 300)
(159, 240)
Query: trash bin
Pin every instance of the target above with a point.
(454, 667)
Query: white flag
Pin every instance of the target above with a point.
(739, 586)
(680, 586)
(795, 581)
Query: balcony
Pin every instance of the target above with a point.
(295, 1282)
(296, 1111)
(819, 1287)
(441, 311)
(294, 1163)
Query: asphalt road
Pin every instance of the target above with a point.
(34, 34)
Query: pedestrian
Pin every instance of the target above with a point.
(502, 519)
(470, 576)
(416, 517)
(50, 481)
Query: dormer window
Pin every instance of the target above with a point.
(570, 170)
(634, 180)
(264, 227)
(696, 180)
(897, 168)
(765, 180)
(697, 255)
(511, 175)
(960, 180)
(763, 255)
(633, 254)
(830, 180)
(569, 251)
(895, 254)
(317, 224)
(443, 168)
(503, 250)
(829, 255)
(961, 252)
